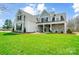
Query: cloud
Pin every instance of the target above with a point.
(29, 10)
(34, 8)
(1, 22)
(32, 5)
(53, 9)
(3, 8)
(75, 6)
(41, 7)
(76, 15)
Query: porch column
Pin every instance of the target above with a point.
(50, 27)
(14, 26)
(22, 27)
(22, 24)
(43, 27)
(65, 28)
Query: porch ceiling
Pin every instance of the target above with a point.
(62, 22)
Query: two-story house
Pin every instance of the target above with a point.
(44, 22)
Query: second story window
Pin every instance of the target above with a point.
(53, 19)
(46, 19)
(62, 18)
(24, 17)
(37, 19)
(42, 19)
(19, 17)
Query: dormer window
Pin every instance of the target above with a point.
(62, 18)
(46, 19)
(53, 19)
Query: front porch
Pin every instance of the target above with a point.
(53, 28)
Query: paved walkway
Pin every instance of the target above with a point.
(5, 31)
(77, 33)
(37, 33)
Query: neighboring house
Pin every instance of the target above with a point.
(44, 22)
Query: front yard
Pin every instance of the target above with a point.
(39, 44)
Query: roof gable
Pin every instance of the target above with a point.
(44, 13)
(19, 12)
(22, 12)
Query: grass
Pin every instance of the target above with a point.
(39, 44)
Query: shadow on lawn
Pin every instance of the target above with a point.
(10, 33)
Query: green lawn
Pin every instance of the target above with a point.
(39, 44)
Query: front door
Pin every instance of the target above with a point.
(47, 28)
(24, 29)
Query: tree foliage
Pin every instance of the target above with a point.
(73, 24)
(69, 31)
(7, 24)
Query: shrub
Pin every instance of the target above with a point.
(61, 31)
(56, 32)
(69, 31)
(13, 29)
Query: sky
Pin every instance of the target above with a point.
(8, 10)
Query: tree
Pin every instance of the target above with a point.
(76, 23)
(73, 24)
(7, 24)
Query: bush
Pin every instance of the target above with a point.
(13, 30)
(69, 31)
(56, 32)
(61, 31)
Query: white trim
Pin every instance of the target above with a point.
(52, 23)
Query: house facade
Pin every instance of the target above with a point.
(44, 22)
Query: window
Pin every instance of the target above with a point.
(19, 17)
(42, 19)
(53, 19)
(46, 19)
(19, 27)
(24, 17)
(62, 18)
